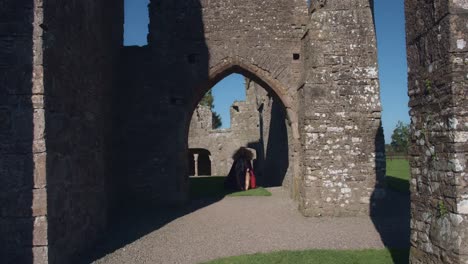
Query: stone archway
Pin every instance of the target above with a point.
(237, 65)
(289, 176)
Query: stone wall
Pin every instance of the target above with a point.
(81, 41)
(23, 205)
(254, 122)
(222, 143)
(192, 46)
(59, 107)
(437, 62)
(343, 162)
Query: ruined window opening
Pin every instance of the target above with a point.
(235, 107)
(199, 162)
(220, 99)
(296, 56)
(136, 21)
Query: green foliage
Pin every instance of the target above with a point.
(369, 256)
(428, 85)
(443, 211)
(208, 100)
(217, 122)
(400, 138)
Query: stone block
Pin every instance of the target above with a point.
(40, 231)
(40, 170)
(39, 202)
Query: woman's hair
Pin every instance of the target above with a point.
(242, 153)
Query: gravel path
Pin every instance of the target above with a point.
(243, 225)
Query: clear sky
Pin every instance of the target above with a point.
(390, 24)
(391, 41)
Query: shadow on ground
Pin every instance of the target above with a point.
(390, 209)
(397, 184)
(131, 223)
(391, 218)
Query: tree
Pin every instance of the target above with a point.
(208, 100)
(217, 123)
(400, 137)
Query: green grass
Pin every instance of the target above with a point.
(398, 174)
(322, 257)
(260, 191)
(213, 187)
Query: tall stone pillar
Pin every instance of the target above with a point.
(343, 159)
(437, 37)
(23, 194)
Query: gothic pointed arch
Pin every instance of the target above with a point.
(260, 76)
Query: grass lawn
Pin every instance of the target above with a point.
(213, 186)
(398, 174)
(322, 257)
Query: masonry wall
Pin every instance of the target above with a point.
(57, 61)
(81, 43)
(258, 123)
(343, 161)
(437, 62)
(222, 143)
(23, 207)
(192, 45)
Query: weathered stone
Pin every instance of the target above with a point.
(437, 89)
(258, 123)
(463, 207)
(40, 231)
(40, 170)
(73, 102)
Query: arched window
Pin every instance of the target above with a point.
(199, 162)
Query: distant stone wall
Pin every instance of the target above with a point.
(192, 46)
(251, 121)
(437, 37)
(222, 143)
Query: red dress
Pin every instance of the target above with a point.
(253, 180)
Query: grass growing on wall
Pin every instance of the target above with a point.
(370, 256)
(398, 174)
(213, 186)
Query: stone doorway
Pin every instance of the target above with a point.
(199, 162)
(260, 123)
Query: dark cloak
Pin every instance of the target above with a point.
(236, 177)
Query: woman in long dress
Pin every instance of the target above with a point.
(239, 175)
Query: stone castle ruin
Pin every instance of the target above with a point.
(258, 123)
(87, 124)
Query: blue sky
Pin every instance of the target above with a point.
(389, 18)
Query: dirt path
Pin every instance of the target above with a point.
(242, 225)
